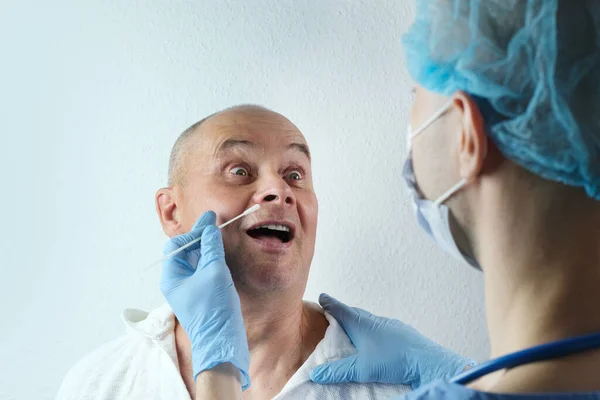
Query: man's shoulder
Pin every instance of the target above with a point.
(145, 347)
(88, 375)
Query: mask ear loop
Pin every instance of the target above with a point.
(432, 119)
(460, 184)
(450, 192)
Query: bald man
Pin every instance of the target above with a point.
(227, 162)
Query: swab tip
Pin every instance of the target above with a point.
(252, 209)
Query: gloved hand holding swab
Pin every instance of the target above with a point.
(223, 225)
(199, 288)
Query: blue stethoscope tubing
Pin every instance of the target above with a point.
(547, 351)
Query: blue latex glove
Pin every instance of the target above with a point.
(198, 286)
(389, 351)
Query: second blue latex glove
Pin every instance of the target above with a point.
(389, 351)
(198, 286)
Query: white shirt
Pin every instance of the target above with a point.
(143, 365)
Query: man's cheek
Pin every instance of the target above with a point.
(309, 208)
(229, 240)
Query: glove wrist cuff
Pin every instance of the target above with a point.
(201, 364)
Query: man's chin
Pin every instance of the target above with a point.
(266, 277)
(257, 270)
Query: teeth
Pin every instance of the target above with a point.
(275, 227)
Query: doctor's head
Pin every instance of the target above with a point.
(504, 123)
(231, 160)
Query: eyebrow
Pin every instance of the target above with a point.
(301, 147)
(236, 143)
(232, 144)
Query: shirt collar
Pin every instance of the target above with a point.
(160, 323)
(334, 346)
(155, 325)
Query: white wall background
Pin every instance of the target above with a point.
(92, 95)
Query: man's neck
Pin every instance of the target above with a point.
(281, 335)
(283, 323)
(542, 284)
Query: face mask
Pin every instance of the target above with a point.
(434, 216)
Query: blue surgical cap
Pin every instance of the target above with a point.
(533, 64)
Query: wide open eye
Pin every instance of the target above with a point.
(294, 175)
(239, 171)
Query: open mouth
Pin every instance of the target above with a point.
(281, 232)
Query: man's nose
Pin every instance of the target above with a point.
(276, 192)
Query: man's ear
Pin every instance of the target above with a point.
(473, 140)
(166, 208)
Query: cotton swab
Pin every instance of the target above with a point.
(247, 212)
(223, 225)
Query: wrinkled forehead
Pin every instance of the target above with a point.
(253, 129)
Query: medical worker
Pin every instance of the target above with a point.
(504, 174)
